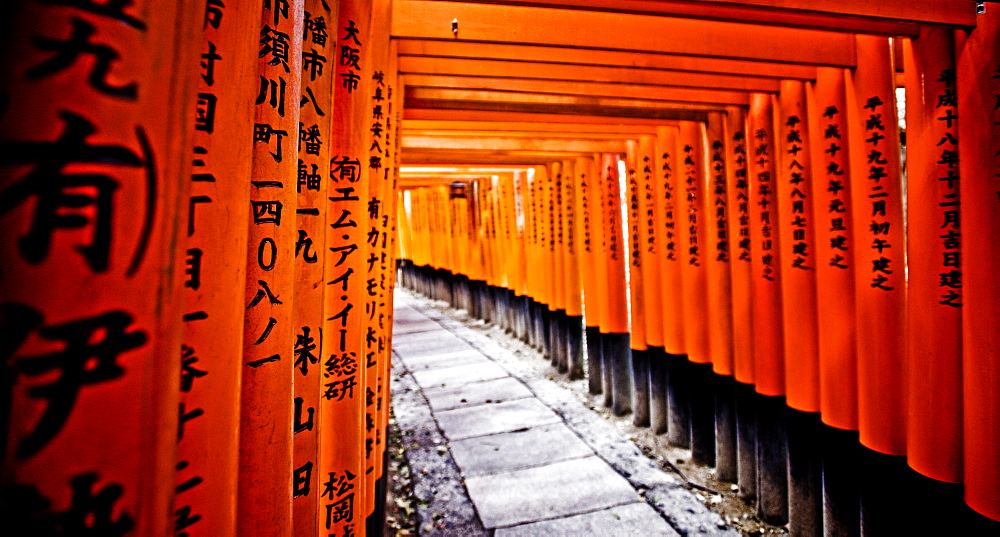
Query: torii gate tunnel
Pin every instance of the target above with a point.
(770, 229)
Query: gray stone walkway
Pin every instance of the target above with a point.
(495, 448)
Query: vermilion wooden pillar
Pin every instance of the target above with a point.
(794, 184)
(693, 240)
(574, 278)
(312, 187)
(768, 345)
(342, 490)
(978, 73)
(591, 234)
(742, 364)
(615, 344)
(94, 182)
(266, 469)
(650, 222)
(837, 246)
(768, 340)
(878, 215)
(636, 233)
(215, 273)
(934, 245)
(669, 179)
(719, 246)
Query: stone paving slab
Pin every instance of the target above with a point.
(438, 345)
(556, 490)
(444, 359)
(476, 393)
(413, 327)
(516, 450)
(463, 374)
(494, 418)
(635, 519)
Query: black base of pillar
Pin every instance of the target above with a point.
(678, 401)
(772, 460)
(640, 376)
(658, 389)
(617, 358)
(746, 441)
(841, 491)
(594, 369)
(702, 414)
(725, 429)
(805, 474)
(574, 346)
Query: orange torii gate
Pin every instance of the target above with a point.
(786, 283)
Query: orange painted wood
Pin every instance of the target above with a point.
(796, 190)
(742, 365)
(573, 279)
(836, 244)
(934, 228)
(694, 244)
(881, 298)
(413, 112)
(719, 245)
(592, 238)
(535, 74)
(768, 340)
(314, 138)
(638, 60)
(523, 231)
(651, 224)
(555, 27)
(94, 188)
(669, 194)
(979, 101)
(841, 16)
(215, 271)
(343, 490)
(543, 222)
(266, 466)
(557, 243)
(635, 233)
(614, 253)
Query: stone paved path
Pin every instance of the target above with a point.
(514, 453)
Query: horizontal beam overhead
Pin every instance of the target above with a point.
(500, 143)
(422, 65)
(892, 17)
(551, 104)
(594, 89)
(607, 58)
(529, 128)
(478, 158)
(411, 112)
(421, 19)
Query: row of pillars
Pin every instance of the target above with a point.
(779, 249)
(198, 261)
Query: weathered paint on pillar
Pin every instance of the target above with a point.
(342, 490)
(978, 71)
(693, 236)
(650, 222)
(836, 246)
(742, 366)
(878, 215)
(768, 344)
(315, 131)
(636, 233)
(215, 271)
(266, 470)
(613, 249)
(719, 246)
(94, 182)
(798, 225)
(669, 195)
(934, 246)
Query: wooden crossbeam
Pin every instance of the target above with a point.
(412, 112)
(596, 89)
(607, 58)
(893, 17)
(501, 143)
(421, 65)
(512, 128)
(421, 19)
